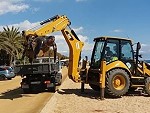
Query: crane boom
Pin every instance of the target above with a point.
(62, 23)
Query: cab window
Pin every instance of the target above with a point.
(126, 50)
(97, 53)
(111, 50)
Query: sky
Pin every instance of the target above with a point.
(89, 19)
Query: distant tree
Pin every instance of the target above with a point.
(4, 44)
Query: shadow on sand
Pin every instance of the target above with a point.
(16, 93)
(11, 94)
(89, 93)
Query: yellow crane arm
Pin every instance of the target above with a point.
(56, 23)
(61, 23)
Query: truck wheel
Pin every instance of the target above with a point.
(117, 82)
(95, 87)
(147, 85)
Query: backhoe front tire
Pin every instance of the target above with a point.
(147, 85)
(117, 82)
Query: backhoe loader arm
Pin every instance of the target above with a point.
(61, 23)
(56, 23)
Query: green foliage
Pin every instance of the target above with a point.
(11, 41)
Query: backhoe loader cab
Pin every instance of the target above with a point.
(115, 68)
(111, 49)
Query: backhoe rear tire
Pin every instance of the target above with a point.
(147, 85)
(117, 82)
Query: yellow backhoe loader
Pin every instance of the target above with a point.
(114, 68)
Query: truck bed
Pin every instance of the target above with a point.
(43, 68)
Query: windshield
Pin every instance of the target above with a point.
(97, 53)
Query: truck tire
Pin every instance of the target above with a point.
(147, 86)
(117, 82)
(95, 87)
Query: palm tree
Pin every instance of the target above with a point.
(12, 42)
(3, 43)
(4, 49)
